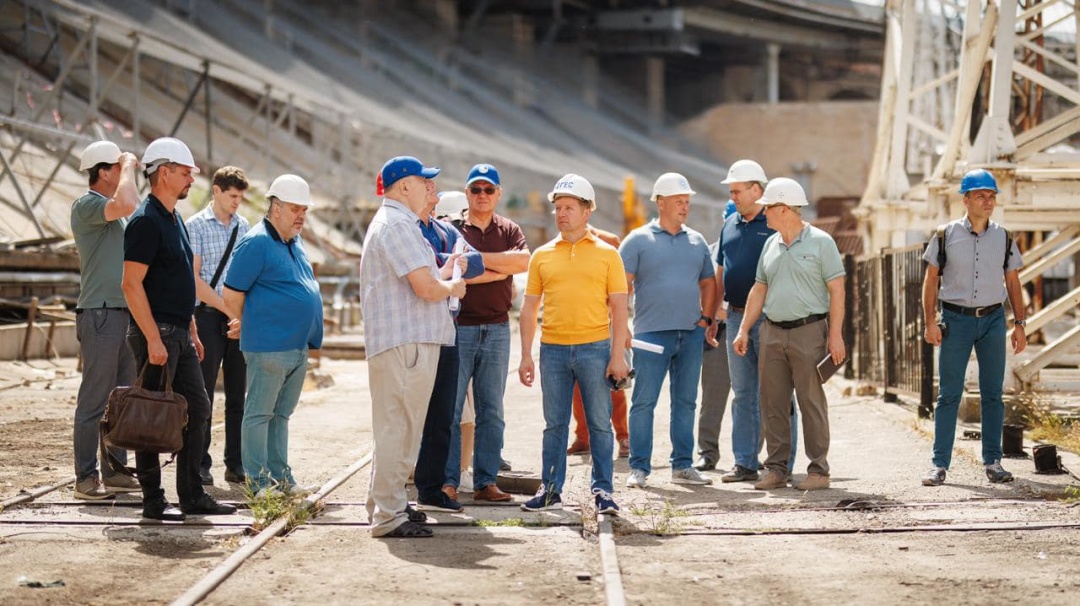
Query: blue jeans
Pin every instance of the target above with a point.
(560, 367)
(484, 353)
(746, 437)
(682, 358)
(274, 382)
(987, 336)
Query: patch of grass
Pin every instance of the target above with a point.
(511, 522)
(1071, 495)
(275, 504)
(661, 521)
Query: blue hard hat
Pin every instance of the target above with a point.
(729, 208)
(978, 179)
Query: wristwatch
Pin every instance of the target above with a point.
(1019, 322)
(706, 319)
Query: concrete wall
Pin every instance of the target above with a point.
(834, 137)
(64, 343)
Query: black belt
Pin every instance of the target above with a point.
(736, 308)
(978, 312)
(800, 322)
(82, 309)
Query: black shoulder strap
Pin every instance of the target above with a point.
(941, 255)
(1008, 248)
(225, 257)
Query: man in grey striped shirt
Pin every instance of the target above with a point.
(403, 297)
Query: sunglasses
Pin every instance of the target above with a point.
(477, 190)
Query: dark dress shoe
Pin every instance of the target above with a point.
(208, 506)
(236, 477)
(162, 510)
(704, 464)
(206, 477)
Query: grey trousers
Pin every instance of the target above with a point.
(788, 363)
(715, 388)
(107, 363)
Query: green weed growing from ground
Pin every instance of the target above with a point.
(666, 520)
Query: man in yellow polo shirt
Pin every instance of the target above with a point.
(582, 283)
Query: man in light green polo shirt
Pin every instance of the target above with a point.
(799, 285)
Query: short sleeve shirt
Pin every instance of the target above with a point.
(797, 275)
(210, 238)
(393, 314)
(739, 249)
(490, 303)
(667, 269)
(101, 252)
(282, 305)
(575, 280)
(158, 239)
(975, 269)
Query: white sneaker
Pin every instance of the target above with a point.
(465, 485)
(689, 475)
(637, 479)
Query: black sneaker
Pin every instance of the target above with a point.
(208, 506)
(236, 477)
(162, 510)
(605, 503)
(739, 474)
(543, 501)
(996, 474)
(206, 477)
(440, 503)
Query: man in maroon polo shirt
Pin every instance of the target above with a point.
(483, 332)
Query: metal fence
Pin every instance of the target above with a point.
(884, 324)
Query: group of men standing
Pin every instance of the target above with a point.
(164, 296)
(161, 297)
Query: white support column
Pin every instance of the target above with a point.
(590, 81)
(995, 142)
(654, 84)
(904, 58)
(772, 72)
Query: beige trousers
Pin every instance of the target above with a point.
(788, 362)
(400, 380)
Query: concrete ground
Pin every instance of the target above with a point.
(876, 536)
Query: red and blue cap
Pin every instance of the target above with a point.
(400, 167)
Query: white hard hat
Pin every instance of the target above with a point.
(671, 184)
(745, 171)
(783, 191)
(451, 203)
(576, 186)
(165, 150)
(98, 152)
(291, 189)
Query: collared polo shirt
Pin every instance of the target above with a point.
(101, 252)
(797, 275)
(575, 280)
(490, 303)
(738, 251)
(282, 304)
(158, 239)
(974, 275)
(210, 238)
(667, 269)
(393, 314)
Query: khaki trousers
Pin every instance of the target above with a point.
(788, 362)
(400, 381)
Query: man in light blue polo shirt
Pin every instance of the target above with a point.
(799, 285)
(271, 288)
(670, 271)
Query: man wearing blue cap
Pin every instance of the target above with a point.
(972, 317)
(483, 332)
(403, 297)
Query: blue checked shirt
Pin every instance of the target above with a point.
(209, 238)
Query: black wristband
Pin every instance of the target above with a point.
(706, 319)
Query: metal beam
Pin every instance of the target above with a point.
(731, 24)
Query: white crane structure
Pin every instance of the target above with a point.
(989, 85)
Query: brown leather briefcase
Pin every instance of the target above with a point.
(144, 420)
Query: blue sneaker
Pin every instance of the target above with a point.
(543, 501)
(605, 503)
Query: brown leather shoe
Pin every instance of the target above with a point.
(578, 447)
(624, 448)
(450, 491)
(490, 492)
(814, 481)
